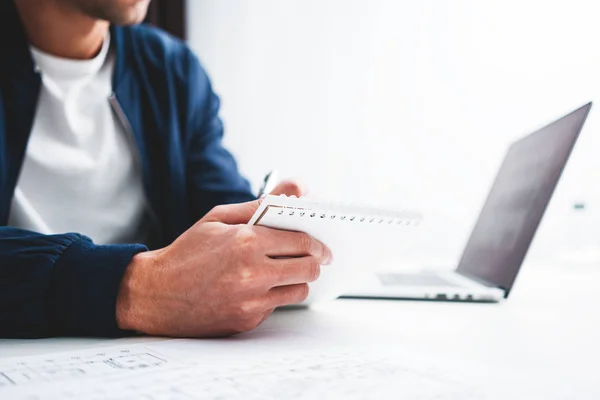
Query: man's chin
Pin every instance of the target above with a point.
(135, 15)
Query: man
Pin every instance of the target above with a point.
(110, 129)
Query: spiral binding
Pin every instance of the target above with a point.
(409, 219)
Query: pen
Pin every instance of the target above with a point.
(268, 184)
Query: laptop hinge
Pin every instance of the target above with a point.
(483, 282)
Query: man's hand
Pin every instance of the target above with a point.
(289, 188)
(220, 277)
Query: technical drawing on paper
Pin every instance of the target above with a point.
(53, 369)
(139, 372)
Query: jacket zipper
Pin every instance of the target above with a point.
(116, 106)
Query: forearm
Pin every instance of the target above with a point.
(53, 285)
(135, 307)
(212, 172)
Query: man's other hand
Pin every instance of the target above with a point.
(220, 277)
(289, 188)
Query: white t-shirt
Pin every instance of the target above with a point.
(79, 173)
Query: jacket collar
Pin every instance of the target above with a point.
(16, 57)
(121, 44)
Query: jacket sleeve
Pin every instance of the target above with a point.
(58, 285)
(213, 174)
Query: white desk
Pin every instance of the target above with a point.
(546, 335)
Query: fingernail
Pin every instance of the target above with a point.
(328, 258)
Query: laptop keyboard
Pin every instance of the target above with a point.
(394, 279)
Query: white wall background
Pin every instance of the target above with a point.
(404, 102)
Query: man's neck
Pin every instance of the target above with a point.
(57, 29)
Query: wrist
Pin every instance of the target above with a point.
(130, 300)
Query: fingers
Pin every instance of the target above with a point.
(233, 214)
(289, 188)
(278, 243)
(291, 271)
(286, 295)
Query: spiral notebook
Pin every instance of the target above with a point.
(360, 238)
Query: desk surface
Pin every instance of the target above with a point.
(549, 329)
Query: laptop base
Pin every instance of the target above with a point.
(438, 298)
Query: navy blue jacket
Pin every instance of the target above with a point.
(64, 284)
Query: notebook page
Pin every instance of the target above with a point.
(358, 237)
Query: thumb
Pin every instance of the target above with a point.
(233, 214)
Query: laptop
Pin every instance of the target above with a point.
(504, 230)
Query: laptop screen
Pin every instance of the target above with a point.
(517, 201)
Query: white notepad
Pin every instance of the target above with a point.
(360, 238)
